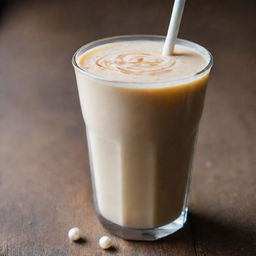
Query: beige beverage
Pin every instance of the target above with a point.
(142, 112)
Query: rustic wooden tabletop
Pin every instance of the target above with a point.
(44, 172)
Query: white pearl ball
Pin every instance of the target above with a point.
(74, 234)
(105, 242)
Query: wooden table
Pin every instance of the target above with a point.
(44, 180)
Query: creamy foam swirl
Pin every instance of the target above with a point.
(140, 61)
(136, 63)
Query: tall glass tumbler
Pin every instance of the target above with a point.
(141, 138)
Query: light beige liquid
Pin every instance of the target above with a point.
(141, 135)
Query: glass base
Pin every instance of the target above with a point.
(149, 234)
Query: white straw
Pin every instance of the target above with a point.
(173, 28)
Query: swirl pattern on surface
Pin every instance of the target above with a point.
(136, 63)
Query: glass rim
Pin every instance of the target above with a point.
(203, 51)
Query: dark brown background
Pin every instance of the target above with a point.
(44, 181)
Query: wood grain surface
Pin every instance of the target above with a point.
(44, 172)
